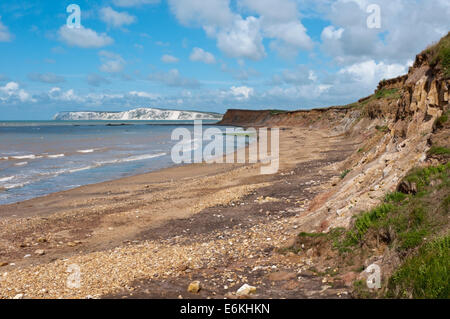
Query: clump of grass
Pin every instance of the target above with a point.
(422, 177)
(383, 128)
(439, 150)
(404, 215)
(395, 197)
(440, 54)
(387, 94)
(275, 112)
(441, 120)
(365, 221)
(425, 275)
(345, 173)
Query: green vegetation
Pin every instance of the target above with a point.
(387, 94)
(424, 275)
(440, 121)
(413, 225)
(345, 173)
(395, 197)
(440, 54)
(381, 94)
(383, 128)
(275, 112)
(439, 150)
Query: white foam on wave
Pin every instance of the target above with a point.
(6, 179)
(55, 156)
(21, 164)
(92, 150)
(21, 157)
(131, 159)
(19, 185)
(74, 170)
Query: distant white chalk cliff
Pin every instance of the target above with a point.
(149, 114)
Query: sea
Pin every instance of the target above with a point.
(42, 157)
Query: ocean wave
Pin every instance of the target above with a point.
(92, 150)
(80, 169)
(18, 185)
(6, 179)
(21, 164)
(50, 174)
(21, 157)
(55, 156)
(131, 159)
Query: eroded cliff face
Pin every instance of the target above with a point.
(397, 125)
(396, 130)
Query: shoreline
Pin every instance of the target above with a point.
(170, 213)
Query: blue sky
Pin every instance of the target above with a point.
(205, 55)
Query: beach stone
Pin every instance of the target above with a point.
(40, 252)
(42, 240)
(3, 264)
(18, 296)
(246, 290)
(194, 287)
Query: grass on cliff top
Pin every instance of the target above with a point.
(275, 112)
(389, 94)
(440, 54)
(415, 226)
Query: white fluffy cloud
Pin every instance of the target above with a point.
(116, 19)
(241, 36)
(406, 29)
(83, 37)
(167, 58)
(242, 40)
(241, 92)
(11, 93)
(370, 72)
(211, 13)
(144, 95)
(200, 55)
(111, 62)
(5, 35)
(280, 21)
